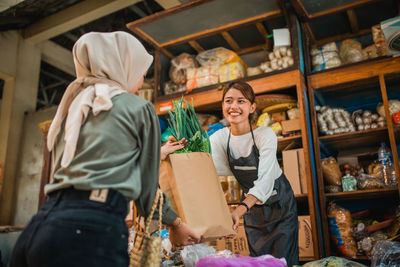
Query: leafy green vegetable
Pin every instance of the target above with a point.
(184, 123)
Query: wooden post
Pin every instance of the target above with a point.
(46, 166)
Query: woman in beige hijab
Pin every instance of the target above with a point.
(105, 144)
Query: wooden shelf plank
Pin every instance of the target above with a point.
(213, 94)
(357, 139)
(363, 194)
(285, 141)
(354, 72)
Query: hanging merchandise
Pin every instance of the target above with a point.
(341, 228)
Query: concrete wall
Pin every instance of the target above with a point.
(30, 167)
(19, 67)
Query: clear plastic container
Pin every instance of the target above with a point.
(385, 160)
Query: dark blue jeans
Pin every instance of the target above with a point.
(72, 231)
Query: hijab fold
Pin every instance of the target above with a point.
(107, 65)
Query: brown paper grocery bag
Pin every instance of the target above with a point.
(192, 186)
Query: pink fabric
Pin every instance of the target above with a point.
(241, 261)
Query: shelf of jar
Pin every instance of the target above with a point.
(364, 194)
(357, 139)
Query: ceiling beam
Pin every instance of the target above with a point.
(166, 4)
(229, 39)
(342, 8)
(6, 4)
(196, 46)
(73, 17)
(58, 56)
(351, 14)
(137, 11)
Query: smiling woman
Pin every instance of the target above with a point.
(249, 154)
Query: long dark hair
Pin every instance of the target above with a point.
(247, 92)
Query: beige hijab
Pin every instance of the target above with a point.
(106, 64)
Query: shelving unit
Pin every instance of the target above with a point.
(208, 99)
(367, 84)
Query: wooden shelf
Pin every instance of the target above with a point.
(212, 95)
(354, 73)
(285, 141)
(357, 139)
(364, 194)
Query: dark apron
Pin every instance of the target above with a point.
(271, 228)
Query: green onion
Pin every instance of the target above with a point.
(184, 123)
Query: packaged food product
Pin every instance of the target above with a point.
(349, 183)
(365, 181)
(341, 229)
(370, 52)
(254, 71)
(179, 64)
(203, 76)
(170, 88)
(325, 57)
(379, 40)
(231, 71)
(218, 56)
(396, 118)
(263, 120)
(350, 51)
(331, 171)
(293, 113)
(277, 128)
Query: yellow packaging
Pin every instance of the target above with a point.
(231, 71)
(263, 120)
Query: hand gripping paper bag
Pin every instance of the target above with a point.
(192, 186)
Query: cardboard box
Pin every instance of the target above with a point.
(237, 245)
(306, 246)
(295, 170)
(289, 126)
(291, 169)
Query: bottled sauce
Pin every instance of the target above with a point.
(385, 160)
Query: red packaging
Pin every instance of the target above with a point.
(396, 118)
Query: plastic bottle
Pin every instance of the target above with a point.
(385, 160)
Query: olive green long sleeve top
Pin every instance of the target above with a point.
(117, 149)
